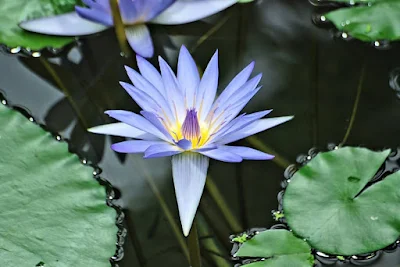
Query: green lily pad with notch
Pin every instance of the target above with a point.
(279, 247)
(14, 11)
(327, 202)
(375, 20)
(52, 210)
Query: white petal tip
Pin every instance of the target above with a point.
(189, 172)
(69, 24)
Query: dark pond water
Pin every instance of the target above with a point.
(306, 72)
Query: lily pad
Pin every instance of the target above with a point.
(372, 21)
(52, 211)
(13, 12)
(277, 248)
(328, 202)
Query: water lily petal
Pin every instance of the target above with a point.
(205, 95)
(239, 123)
(122, 129)
(188, 76)
(134, 146)
(247, 152)
(129, 12)
(184, 144)
(253, 128)
(151, 117)
(173, 90)
(231, 110)
(152, 8)
(237, 82)
(150, 73)
(221, 155)
(96, 15)
(103, 5)
(69, 24)
(182, 12)
(140, 40)
(144, 85)
(161, 150)
(136, 121)
(189, 171)
(141, 98)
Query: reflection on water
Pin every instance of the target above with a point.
(306, 72)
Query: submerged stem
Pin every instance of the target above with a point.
(207, 35)
(257, 143)
(355, 106)
(119, 28)
(168, 214)
(222, 205)
(194, 247)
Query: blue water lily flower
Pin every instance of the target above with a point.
(181, 119)
(97, 16)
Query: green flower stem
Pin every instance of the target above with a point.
(170, 218)
(119, 28)
(135, 239)
(65, 90)
(210, 32)
(222, 205)
(355, 106)
(209, 243)
(194, 247)
(257, 143)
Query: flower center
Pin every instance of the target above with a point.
(190, 127)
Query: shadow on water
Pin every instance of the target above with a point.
(305, 73)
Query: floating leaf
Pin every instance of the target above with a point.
(52, 211)
(279, 248)
(13, 12)
(375, 20)
(327, 202)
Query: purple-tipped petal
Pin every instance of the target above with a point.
(188, 76)
(188, 11)
(145, 86)
(152, 8)
(145, 101)
(235, 84)
(99, 4)
(161, 150)
(140, 40)
(122, 129)
(129, 13)
(134, 146)
(69, 24)
(102, 5)
(206, 148)
(184, 144)
(153, 119)
(95, 15)
(221, 155)
(239, 123)
(189, 171)
(136, 121)
(150, 73)
(173, 90)
(247, 152)
(208, 87)
(253, 128)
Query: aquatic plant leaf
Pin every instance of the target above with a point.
(327, 202)
(52, 209)
(379, 20)
(14, 12)
(279, 247)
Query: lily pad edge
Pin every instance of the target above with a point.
(280, 218)
(110, 190)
